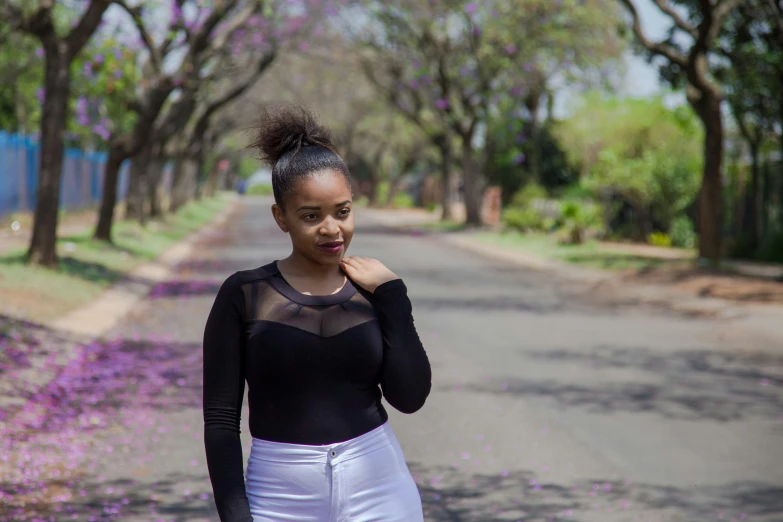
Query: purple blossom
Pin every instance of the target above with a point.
(39, 52)
(516, 91)
(442, 103)
(511, 49)
(471, 7)
(99, 59)
(521, 138)
(519, 159)
(88, 68)
(118, 53)
(41, 94)
(304, 46)
(118, 74)
(176, 13)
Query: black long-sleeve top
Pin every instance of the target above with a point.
(314, 365)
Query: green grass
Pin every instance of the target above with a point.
(88, 267)
(442, 226)
(259, 189)
(589, 254)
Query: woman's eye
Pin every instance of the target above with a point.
(345, 211)
(310, 216)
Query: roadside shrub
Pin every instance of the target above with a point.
(682, 233)
(524, 219)
(528, 194)
(659, 239)
(579, 221)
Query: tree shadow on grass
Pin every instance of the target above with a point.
(687, 384)
(611, 261)
(85, 270)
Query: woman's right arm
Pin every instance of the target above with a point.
(224, 388)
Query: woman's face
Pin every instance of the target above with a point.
(318, 216)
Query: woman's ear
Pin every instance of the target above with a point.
(279, 216)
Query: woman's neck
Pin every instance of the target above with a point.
(300, 266)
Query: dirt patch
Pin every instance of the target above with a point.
(702, 283)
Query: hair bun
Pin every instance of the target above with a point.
(288, 127)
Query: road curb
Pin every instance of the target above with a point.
(647, 294)
(100, 315)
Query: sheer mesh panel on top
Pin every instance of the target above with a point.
(325, 316)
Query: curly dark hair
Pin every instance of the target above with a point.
(290, 139)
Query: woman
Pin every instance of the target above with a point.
(317, 336)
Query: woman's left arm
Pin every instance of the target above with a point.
(406, 376)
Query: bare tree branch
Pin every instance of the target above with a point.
(81, 34)
(719, 14)
(659, 48)
(231, 95)
(679, 21)
(135, 14)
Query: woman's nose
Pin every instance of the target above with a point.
(329, 227)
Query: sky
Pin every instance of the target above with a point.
(642, 79)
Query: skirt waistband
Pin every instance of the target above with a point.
(265, 450)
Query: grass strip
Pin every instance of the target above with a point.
(88, 267)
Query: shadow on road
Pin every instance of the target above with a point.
(450, 495)
(126, 499)
(686, 384)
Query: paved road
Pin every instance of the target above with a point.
(549, 402)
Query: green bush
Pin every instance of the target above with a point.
(682, 233)
(580, 219)
(659, 239)
(527, 194)
(576, 191)
(524, 219)
(771, 249)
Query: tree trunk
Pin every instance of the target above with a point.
(472, 189)
(111, 175)
(372, 197)
(710, 196)
(140, 176)
(57, 80)
(447, 213)
(199, 161)
(754, 221)
(134, 189)
(394, 187)
(155, 174)
(178, 181)
(532, 104)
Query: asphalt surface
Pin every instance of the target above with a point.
(549, 402)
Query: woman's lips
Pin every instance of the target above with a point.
(331, 248)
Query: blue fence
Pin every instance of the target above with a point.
(82, 176)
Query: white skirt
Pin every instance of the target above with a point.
(365, 479)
